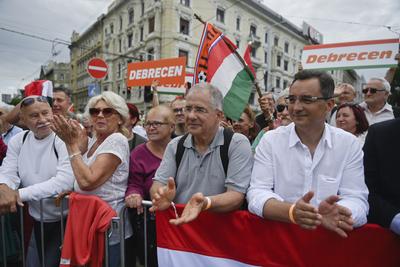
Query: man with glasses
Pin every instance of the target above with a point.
(199, 178)
(38, 161)
(178, 107)
(376, 108)
(310, 173)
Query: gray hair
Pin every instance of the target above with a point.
(113, 100)
(386, 84)
(216, 98)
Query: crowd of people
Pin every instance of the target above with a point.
(302, 160)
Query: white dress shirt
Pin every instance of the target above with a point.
(285, 170)
(384, 114)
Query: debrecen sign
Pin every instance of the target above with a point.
(166, 71)
(351, 55)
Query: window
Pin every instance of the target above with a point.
(120, 45)
(151, 25)
(220, 15)
(266, 80)
(278, 82)
(141, 34)
(301, 52)
(131, 15)
(185, 3)
(265, 57)
(150, 54)
(184, 26)
(111, 28)
(278, 61)
(285, 65)
(238, 24)
(120, 23)
(253, 52)
(285, 84)
(130, 37)
(276, 40)
(61, 76)
(142, 7)
(253, 30)
(237, 43)
(286, 47)
(266, 38)
(184, 53)
(119, 72)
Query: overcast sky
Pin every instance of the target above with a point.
(21, 57)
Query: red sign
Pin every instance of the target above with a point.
(97, 68)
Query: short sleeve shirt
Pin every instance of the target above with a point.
(204, 172)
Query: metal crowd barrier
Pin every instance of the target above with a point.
(119, 221)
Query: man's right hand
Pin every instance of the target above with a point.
(9, 200)
(305, 214)
(163, 197)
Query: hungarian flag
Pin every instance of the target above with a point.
(39, 87)
(242, 239)
(219, 64)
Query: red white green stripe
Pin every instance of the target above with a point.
(228, 74)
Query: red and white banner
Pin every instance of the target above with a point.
(351, 55)
(242, 239)
(39, 87)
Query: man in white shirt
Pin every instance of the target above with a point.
(37, 160)
(310, 173)
(376, 93)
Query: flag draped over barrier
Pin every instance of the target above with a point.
(218, 63)
(242, 239)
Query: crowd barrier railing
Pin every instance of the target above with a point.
(119, 221)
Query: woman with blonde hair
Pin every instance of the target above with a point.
(101, 166)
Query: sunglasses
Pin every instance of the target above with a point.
(107, 112)
(281, 107)
(29, 101)
(372, 90)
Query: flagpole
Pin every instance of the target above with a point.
(240, 58)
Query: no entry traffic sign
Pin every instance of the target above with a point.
(97, 68)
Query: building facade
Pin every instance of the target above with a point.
(137, 30)
(83, 47)
(58, 73)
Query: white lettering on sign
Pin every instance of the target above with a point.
(154, 73)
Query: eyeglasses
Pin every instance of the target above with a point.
(107, 112)
(155, 124)
(196, 109)
(372, 90)
(29, 101)
(179, 110)
(306, 99)
(281, 107)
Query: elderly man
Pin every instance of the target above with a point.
(376, 93)
(345, 94)
(203, 178)
(310, 158)
(37, 160)
(267, 105)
